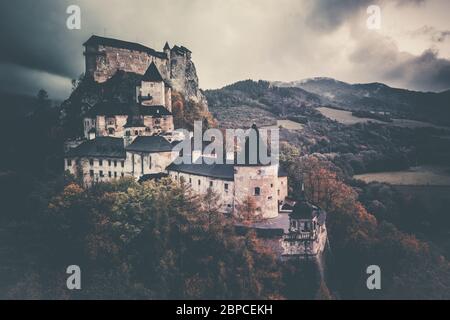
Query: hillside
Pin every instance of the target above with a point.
(378, 97)
(245, 102)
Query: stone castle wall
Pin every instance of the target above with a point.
(248, 178)
(102, 62)
(201, 184)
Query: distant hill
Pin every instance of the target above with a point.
(378, 97)
(17, 104)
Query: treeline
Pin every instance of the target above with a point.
(372, 115)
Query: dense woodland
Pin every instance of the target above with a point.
(131, 244)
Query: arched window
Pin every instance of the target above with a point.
(110, 130)
(257, 191)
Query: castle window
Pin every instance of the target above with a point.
(69, 162)
(271, 185)
(115, 163)
(109, 163)
(121, 174)
(226, 186)
(91, 162)
(115, 174)
(122, 164)
(91, 173)
(199, 182)
(101, 173)
(111, 131)
(257, 191)
(211, 184)
(147, 129)
(136, 132)
(109, 174)
(269, 198)
(190, 180)
(127, 133)
(100, 162)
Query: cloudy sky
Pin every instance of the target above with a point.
(234, 40)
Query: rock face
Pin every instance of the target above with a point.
(183, 76)
(106, 56)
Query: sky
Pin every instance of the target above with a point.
(233, 40)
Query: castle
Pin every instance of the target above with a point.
(136, 138)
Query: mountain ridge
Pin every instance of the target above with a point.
(321, 91)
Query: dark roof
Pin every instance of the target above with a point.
(166, 46)
(180, 50)
(134, 121)
(127, 109)
(99, 147)
(116, 43)
(303, 210)
(221, 171)
(150, 144)
(110, 109)
(281, 172)
(152, 74)
(152, 176)
(154, 111)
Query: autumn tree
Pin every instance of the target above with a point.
(161, 241)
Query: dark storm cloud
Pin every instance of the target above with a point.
(326, 15)
(426, 71)
(21, 80)
(381, 59)
(34, 35)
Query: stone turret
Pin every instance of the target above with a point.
(307, 233)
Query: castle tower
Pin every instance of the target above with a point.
(152, 90)
(256, 180)
(167, 50)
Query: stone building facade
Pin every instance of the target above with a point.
(266, 185)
